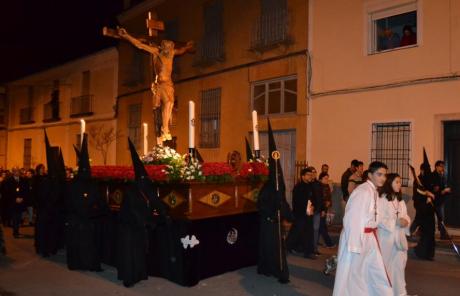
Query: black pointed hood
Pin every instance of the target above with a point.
(140, 172)
(61, 165)
(249, 155)
(274, 166)
(77, 153)
(426, 163)
(50, 158)
(198, 156)
(84, 168)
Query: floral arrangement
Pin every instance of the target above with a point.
(217, 172)
(164, 155)
(254, 171)
(192, 170)
(164, 164)
(155, 172)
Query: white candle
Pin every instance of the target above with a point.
(255, 130)
(146, 133)
(191, 124)
(82, 129)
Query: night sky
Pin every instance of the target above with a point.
(38, 34)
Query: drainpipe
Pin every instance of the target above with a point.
(309, 81)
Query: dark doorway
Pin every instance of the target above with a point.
(452, 158)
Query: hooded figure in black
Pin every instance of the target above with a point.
(86, 212)
(140, 211)
(50, 190)
(273, 209)
(424, 206)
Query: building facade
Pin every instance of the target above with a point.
(384, 84)
(56, 100)
(249, 55)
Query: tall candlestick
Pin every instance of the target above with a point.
(255, 130)
(82, 129)
(191, 125)
(146, 132)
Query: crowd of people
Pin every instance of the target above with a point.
(373, 243)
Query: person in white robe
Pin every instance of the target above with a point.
(392, 230)
(360, 267)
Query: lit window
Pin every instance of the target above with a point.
(393, 28)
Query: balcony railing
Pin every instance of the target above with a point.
(26, 115)
(271, 30)
(81, 106)
(210, 50)
(51, 112)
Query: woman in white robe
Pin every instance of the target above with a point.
(360, 267)
(392, 230)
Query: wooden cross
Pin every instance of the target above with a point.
(154, 25)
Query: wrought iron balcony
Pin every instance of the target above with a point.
(210, 50)
(271, 30)
(50, 112)
(26, 115)
(81, 106)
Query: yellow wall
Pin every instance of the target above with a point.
(103, 85)
(236, 91)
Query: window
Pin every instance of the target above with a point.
(82, 105)
(271, 27)
(391, 145)
(210, 118)
(393, 28)
(276, 96)
(135, 68)
(211, 47)
(27, 153)
(171, 32)
(85, 83)
(134, 124)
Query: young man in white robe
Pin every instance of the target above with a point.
(392, 230)
(360, 267)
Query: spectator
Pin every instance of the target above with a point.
(327, 204)
(356, 178)
(16, 190)
(318, 208)
(409, 37)
(29, 202)
(346, 176)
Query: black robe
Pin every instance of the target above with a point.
(2, 242)
(86, 213)
(132, 238)
(49, 211)
(425, 219)
(272, 249)
(300, 238)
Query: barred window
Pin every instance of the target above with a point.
(276, 96)
(271, 27)
(27, 153)
(134, 124)
(210, 118)
(391, 145)
(211, 47)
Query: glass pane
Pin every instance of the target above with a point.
(274, 85)
(259, 105)
(290, 102)
(258, 90)
(291, 85)
(274, 102)
(396, 31)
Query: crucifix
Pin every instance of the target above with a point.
(162, 56)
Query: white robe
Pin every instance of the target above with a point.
(360, 267)
(393, 242)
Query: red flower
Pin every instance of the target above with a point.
(216, 169)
